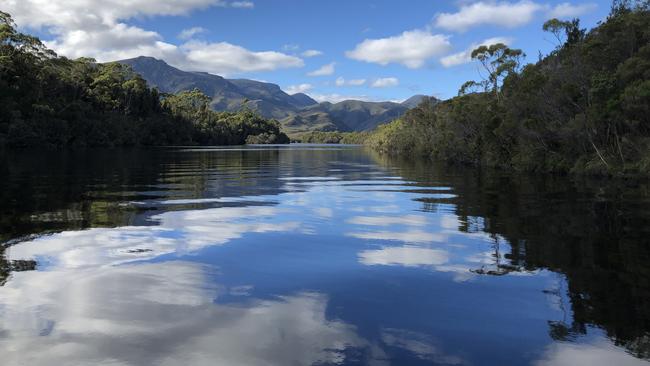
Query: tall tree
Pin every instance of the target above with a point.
(498, 60)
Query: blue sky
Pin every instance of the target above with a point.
(332, 50)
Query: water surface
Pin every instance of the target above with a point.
(315, 255)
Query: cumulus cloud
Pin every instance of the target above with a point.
(92, 14)
(340, 81)
(385, 83)
(99, 29)
(242, 4)
(568, 10)
(300, 88)
(291, 47)
(324, 71)
(411, 49)
(465, 56)
(503, 14)
(191, 32)
(229, 58)
(312, 53)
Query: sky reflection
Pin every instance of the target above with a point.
(310, 257)
(161, 314)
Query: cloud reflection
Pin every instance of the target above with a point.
(603, 353)
(160, 314)
(409, 220)
(410, 236)
(421, 345)
(405, 256)
(178, 232)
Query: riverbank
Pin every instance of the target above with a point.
(582, 109)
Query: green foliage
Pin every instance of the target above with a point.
(332, 137)
(564, 31)
(52, 101)
(499, 61)
(584, 108)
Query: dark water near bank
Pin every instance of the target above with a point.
(315, 255)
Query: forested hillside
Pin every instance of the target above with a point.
(584, 108)
(51, 101)
(297, 113)
(226, 94)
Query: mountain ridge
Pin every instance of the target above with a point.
(296, 112)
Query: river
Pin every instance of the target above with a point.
(315, 255)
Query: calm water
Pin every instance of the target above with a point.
(314, 255)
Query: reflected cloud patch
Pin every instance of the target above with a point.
(324, 212)
(404, 256)
(179, 232)
(161, 314)
(421, 345)
(409, 220)
(603, 353)
(411, 236)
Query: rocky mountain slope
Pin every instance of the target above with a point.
(297, 112)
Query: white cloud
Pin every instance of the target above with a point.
(98, 29)
(242, 4)
(357, 82)
(114, 42)
(324, 71)
(291, 47)
(465, 56)
(191, 32)
(567, 10)
(411, 49)
(92, 14)
(227, 58)
(312, 53)
(503, 14)
(340, 81)
(300, 88)
(385, 83)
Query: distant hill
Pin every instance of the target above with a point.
(228, 95)
(414, 101)
(349, 115)
(297, 112)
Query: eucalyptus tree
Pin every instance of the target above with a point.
(499, 61)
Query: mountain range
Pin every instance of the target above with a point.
(296, 112)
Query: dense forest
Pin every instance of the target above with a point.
(331, 137)
(583, 108)
(51, 101)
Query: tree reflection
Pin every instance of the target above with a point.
(594, 232)
(591, 233)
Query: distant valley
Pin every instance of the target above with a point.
(297, 112)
